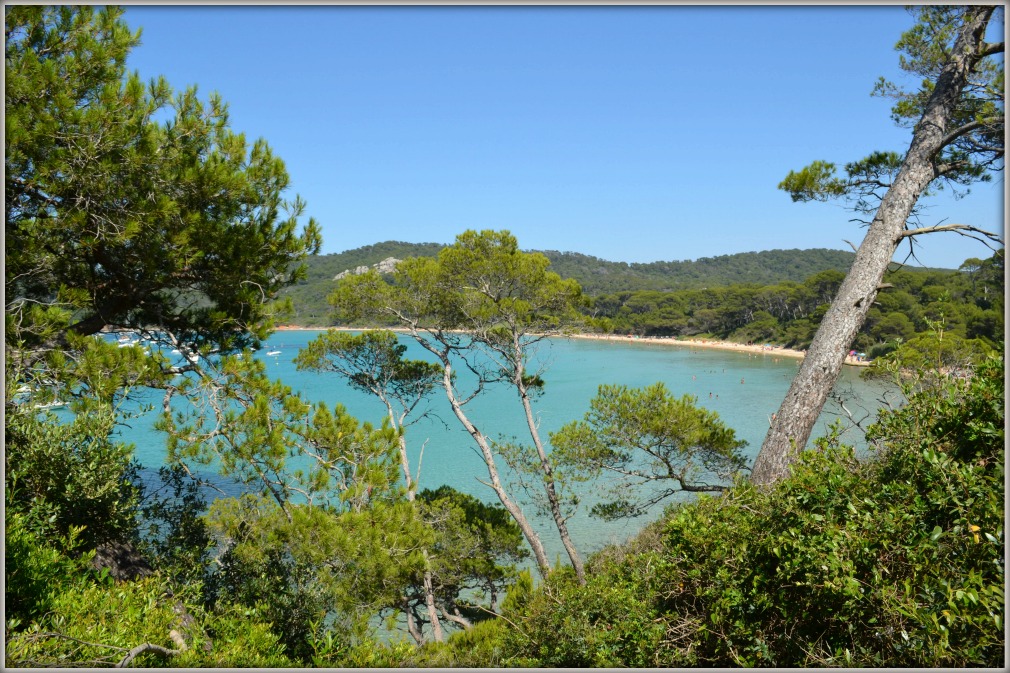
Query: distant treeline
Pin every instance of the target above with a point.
(596, 276)
(776, 296)
(967, 302)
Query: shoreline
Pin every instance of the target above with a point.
(753, 349)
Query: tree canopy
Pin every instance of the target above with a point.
(116, 219)
(647, 446)
(485, 305)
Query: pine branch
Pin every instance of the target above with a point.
(146, 647)
(959, 228)
(989, 49)
(962, 130)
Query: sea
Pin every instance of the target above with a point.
(744, 389)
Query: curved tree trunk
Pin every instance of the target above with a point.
(429, 601)
(552, 496)
(539, 553)
(823, 363)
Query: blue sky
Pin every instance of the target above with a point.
(632, 134)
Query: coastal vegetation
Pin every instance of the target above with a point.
(134, 209)
(786, 312)
(957, 114)
(970, 301)
(892, 561)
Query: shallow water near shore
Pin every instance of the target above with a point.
(743, 388)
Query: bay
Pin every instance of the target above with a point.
(743, 388)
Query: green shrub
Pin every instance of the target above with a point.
(893, 561)
(34, 569)
(96, 623)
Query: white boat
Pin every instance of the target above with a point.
(273, 352)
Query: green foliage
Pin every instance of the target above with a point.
(308, 294)
(961, 413)
(305, 567)
(113, 218)
(784, 309)
(487, 303)
(98, 623)
(604, 624)
(244, 424)
(924, 50)
(478, 647)
(927, 360)
(325, 538)
(171, 531)
(789, 313)
(476, 547)
(60, 612)
(767, 267)
(897, 560)
(72, 475)
(35, 569)
(373, 363)
(475, 284)
(178, 230)
(816, 182)
(609, 622)
(973, 146)
(595, 276)
(647, 445)
(68, 466)
(250, 426)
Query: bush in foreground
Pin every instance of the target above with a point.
(893, 561)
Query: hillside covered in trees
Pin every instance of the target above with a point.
(776, 296)
(595, 276)
(967, 303)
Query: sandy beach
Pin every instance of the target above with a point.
(756, 349)
(698, 343)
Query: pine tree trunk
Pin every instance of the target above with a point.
(552, 496)
(429, 601)
(823, 363)
(539, 553)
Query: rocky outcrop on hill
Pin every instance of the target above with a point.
(387, 265)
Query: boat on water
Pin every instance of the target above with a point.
(273, 352)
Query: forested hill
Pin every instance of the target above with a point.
(597, 276)
(763, 268)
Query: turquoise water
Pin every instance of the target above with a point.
(744, 389)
